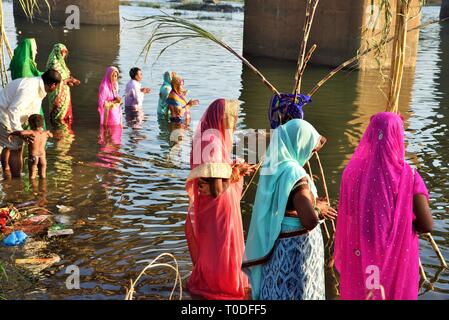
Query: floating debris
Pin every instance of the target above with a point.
(65, 209)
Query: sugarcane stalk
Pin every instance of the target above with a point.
(422, 272)
(252, 178)
(310, 170)
(310, 14)
(306, 60)
(437, 249)
(326, 191)
(363, 53)
(398, 55)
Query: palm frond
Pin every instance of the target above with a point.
(178, 29)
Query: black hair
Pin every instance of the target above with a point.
(51, 77)
(133, 72)
(36, 121)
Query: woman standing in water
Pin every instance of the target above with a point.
(177, 101)
(23, 63)
(284, 249)
(60, 101)
(383, 205)
(164, 92)
(109, 101)
(214, 224)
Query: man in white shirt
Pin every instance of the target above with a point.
(134, 97)
(18, 100)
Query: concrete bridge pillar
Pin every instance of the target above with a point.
(273, 29)
(444, 13)
(94, 12)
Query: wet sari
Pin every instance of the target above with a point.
(214, 228)
(110, 112)
(60, 100)
(177, 97)
(164, 92)
(376, 245)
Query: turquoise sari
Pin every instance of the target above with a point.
(290, 148)
(164, 92)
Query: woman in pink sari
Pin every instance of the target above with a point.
(109, 101)
(383, 204)
(214, 224)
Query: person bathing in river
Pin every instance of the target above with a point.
(60, 101)
(284, 257)
(18, 100)
(383, 206)
(37, 138)
(23, 63)
(134, 97)
(164, 92)
(177, 101)
(109, 100)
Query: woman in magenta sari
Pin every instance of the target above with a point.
(214, 224)
(109, 101)
(383, 204)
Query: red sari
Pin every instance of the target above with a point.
(214, 229)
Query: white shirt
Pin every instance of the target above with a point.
(20, 99)
(134, 95)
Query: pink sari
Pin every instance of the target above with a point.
(214, 228)
(110, 113)
(376, 245)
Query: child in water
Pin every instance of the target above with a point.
(37, 139)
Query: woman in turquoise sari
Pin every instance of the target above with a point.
(164, 92)
(284, 249)
(23, 63)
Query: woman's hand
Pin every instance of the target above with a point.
(245, 169)
(193, 103)
(326, 211)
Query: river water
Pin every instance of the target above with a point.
(127, 186)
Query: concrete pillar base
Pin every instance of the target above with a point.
(93, 12)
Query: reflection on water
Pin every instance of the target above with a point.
(127, 184)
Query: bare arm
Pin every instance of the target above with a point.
(303, 203)
(424, 221)
(49, 134)
(22, 133)
(218, 186)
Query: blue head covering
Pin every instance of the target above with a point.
(285, 107)
(162, 109)
(290, 148)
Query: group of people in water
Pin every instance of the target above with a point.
(23, 97)
(383, 202)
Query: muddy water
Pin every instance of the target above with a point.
(127, 185)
